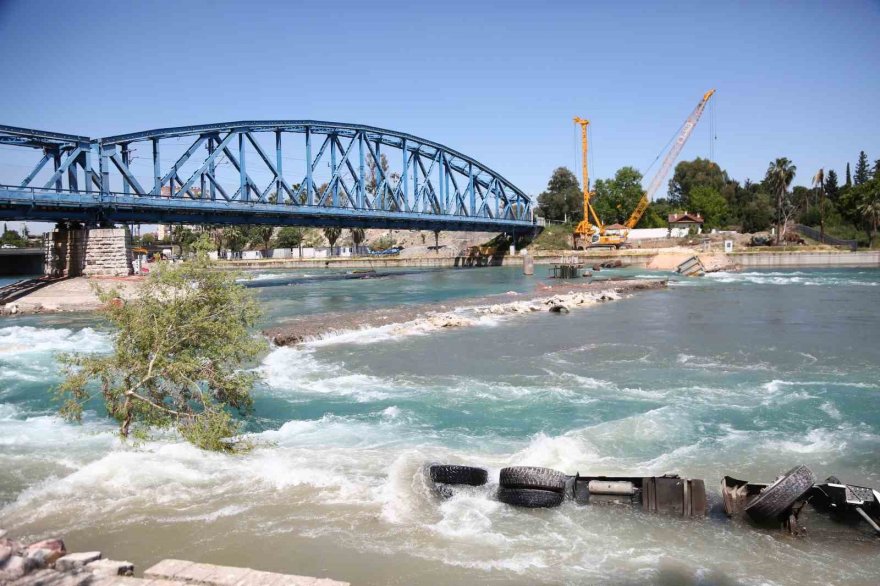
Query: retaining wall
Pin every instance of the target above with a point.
(638, 258)
(629, 258)
(865, 258)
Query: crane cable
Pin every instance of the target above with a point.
(664, 149)
(713, 130)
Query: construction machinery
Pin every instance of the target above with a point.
(591, 231)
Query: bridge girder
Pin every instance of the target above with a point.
(225, 173)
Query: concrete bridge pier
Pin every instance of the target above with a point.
(65, 250)
(75, 250)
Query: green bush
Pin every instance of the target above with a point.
(554, 237)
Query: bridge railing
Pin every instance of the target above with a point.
(119, 206)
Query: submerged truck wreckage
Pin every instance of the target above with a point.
(777, 504)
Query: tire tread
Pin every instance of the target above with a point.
(533, 477)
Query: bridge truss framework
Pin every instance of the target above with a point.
(226, 174)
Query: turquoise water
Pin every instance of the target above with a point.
(745, 374)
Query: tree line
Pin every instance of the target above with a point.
(849, 211)
(256, 237)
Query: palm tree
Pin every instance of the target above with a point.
(357, 237)
(780, 174)
(819, 185)
(870, 209)
(332, 234)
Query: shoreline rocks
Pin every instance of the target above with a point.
(47, 562)
(466, 312)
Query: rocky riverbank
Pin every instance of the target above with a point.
(461, 313)
(76, 294)
(48, 563)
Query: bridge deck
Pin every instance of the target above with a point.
(47, 205)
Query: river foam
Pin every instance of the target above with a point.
(345, 428)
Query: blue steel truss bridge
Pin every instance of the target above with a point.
(277, 172)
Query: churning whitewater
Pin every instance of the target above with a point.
(712, 377)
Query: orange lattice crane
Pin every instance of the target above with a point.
(586, 234)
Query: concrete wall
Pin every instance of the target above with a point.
(635, 258)
(865, 258)
(638, 258)
(656, 233)
(22, 261)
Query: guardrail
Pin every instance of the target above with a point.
(825, 238)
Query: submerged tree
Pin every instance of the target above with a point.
(176, 356)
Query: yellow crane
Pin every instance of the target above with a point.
(586, 233)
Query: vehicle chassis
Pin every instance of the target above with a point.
(844, 502)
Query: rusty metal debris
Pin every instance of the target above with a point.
(846, 503)
(777, 504)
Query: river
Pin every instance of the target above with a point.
(745, 374)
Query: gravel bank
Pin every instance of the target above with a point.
(458, 313)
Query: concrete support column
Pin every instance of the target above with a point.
(108, 253)
(65, 251)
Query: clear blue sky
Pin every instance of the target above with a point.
(499, 81)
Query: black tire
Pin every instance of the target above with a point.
(444, 491)
(533, 477)
(774, 502)
(454, 474)
(530, 498)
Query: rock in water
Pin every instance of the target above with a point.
(558, 309)
(48, 551)
(111, 568)
(76, 560)
(14, 568)
(5, 553)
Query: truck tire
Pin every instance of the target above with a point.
(774, 502)
(454, 474)
(533, 477)
(530, 498)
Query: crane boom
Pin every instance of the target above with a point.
(584, 227)
(671, 156)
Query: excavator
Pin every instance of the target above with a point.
(594, 233)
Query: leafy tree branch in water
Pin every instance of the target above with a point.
(176, 356)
